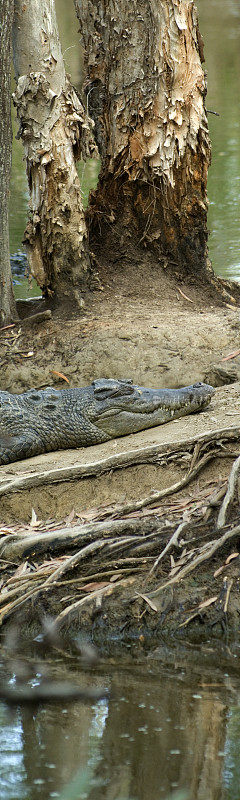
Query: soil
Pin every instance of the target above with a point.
(156, 329)
(159, 331)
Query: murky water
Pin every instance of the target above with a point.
(170, 729)
(220, 25)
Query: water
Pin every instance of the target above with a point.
(169, 730)
(220, 25)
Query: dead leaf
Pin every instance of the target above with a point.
(6, 531)
(199, 608)
(228, 560)
(184, 295)
(218, 571)
(229, 586)
(21, 570)
(70, 517)
(208, 602)
(33, 517)
(7, 326)
(232, 555)
(91, 587)
(60, 375)
(148, 601)
(231, 355)
(35, 522)
(212, 685)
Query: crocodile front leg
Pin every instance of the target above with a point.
(14, 448)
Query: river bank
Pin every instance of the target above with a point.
(159, 563)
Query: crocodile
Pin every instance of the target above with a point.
(41, 420)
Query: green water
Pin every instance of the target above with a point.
(220, 26)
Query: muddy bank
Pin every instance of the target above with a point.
(108, 608)
(160, 565)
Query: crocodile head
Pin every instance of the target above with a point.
(119, 407)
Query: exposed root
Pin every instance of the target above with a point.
(212, 439)
(206, 552)
(95, 596)
(39, 562)
(172, 543)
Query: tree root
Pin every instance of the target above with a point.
(123, 551)
(207, 552)
(130, 458)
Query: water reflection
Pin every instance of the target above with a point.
(231, 770)
(220, 25)
(165, 729)
(12, 770)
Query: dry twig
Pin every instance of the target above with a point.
(172, 543)
(209, 550)
(230, 494)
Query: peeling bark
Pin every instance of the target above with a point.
(7, 303)
(55, 130)
(146, 88)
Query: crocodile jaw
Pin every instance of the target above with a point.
(172, 404)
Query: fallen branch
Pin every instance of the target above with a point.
(10, 607)
(122, 544)
(73, 561)
(24, 589)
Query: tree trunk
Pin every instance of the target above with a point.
(55, 130)
(146, 89)
(7, 302)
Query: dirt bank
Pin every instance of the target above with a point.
(159, 332)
